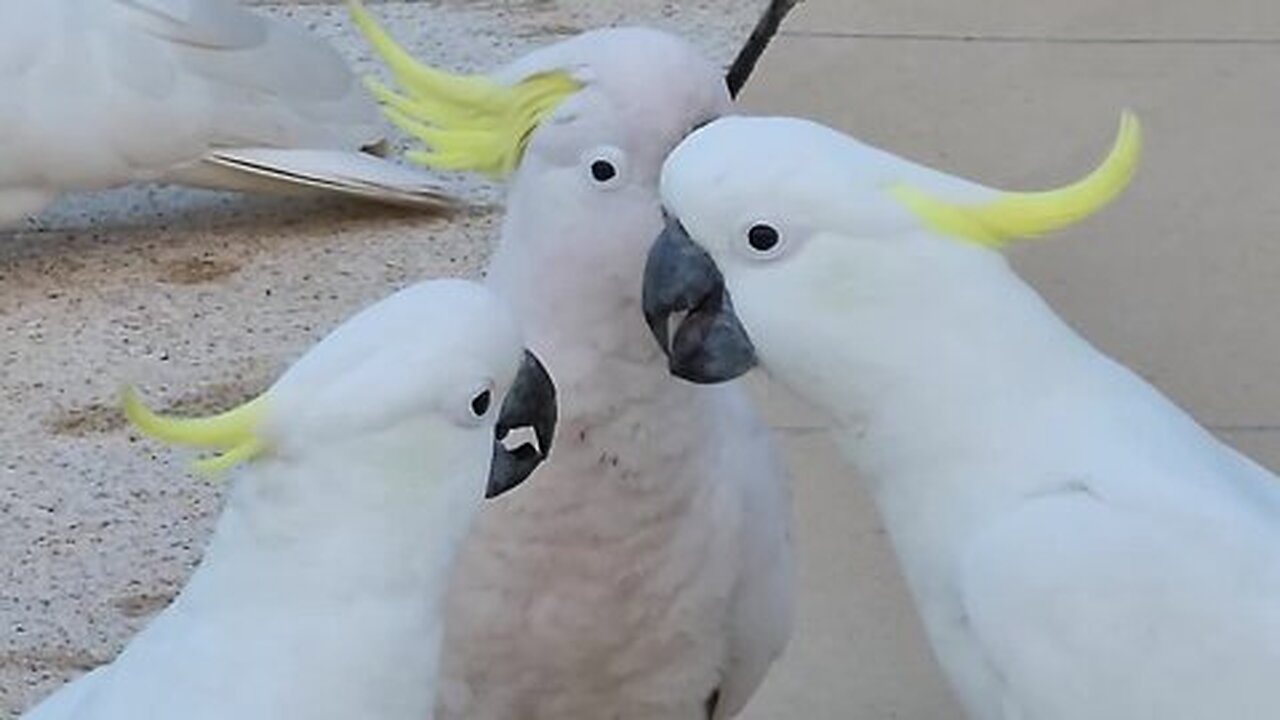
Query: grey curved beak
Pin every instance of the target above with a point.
(709, 344)
(530, 403)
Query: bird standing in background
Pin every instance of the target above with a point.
(319, 594)
(101, 93)
(651, 574)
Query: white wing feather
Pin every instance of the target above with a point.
(1152, 599)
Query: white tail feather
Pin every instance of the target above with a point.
(292, 171)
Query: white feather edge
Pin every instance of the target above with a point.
(350, 173)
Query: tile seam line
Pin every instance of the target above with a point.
(1026, 39)
(1263, 428)
(806, 428)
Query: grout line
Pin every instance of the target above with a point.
(1027, 39)
(1244, 428)
(807, 429)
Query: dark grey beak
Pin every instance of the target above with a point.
(709, 344)
(530, 403)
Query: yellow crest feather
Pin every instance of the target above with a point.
(232, 433)
(468, 122)
(1014, 215)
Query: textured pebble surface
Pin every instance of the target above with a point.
(202, 298)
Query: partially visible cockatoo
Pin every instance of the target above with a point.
(1078, 547)
(101, 93)
(319, 594)
(651, 573)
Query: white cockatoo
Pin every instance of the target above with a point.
(1077, 546)
(319, 595)
(651, 573)
(100, 93)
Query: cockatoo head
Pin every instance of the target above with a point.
(579, 128)
(783, 235)
(424, 384)
(640, 92)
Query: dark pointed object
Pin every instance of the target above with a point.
(755, 46)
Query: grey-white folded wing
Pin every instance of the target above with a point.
(106, 92)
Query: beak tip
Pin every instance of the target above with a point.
(709, 345)
(657, 322)
(718, 360)
(531, 402)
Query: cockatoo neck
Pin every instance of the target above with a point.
(570, 276)
(337, 531)
(958, 393)
(930, 365)
(331, 574)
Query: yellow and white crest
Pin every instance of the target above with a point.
(234, 434)
(468, 122)
(1014, 215)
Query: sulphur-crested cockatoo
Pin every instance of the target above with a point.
(1078, 547)
(319, 594)
(100, 93)
(651, 574)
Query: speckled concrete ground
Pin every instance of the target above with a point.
(202, 298)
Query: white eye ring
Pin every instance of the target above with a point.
(605, 167)
(762, 240)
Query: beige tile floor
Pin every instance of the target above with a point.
(96, 529)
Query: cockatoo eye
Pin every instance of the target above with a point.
(481, 402)
(603, 170)
(472, 409)
(606, 166)
(763, 238)
(764, 241)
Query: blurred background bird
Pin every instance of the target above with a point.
(101, 93)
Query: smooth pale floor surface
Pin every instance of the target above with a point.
(203, 297)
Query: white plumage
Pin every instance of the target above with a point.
(319, 594)
(100, 93)
(1078, 547)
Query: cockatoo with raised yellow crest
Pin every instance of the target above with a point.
(319, 595)
(1077, 546)
(100, 93)
(650, 575)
